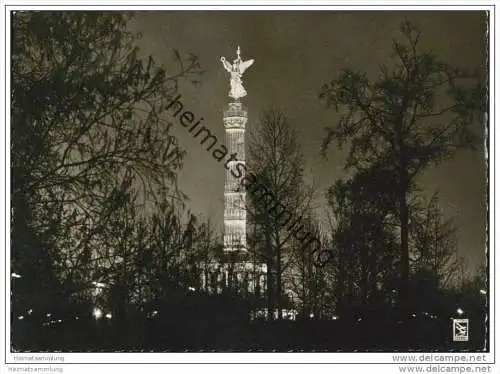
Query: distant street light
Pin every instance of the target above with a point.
(97, 313)
(483, 292)
(460, 311)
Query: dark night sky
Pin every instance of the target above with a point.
(295, 53)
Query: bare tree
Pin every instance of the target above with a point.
(278, 198)
(311, 274)
(434, 242)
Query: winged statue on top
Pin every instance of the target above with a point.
(236, 70)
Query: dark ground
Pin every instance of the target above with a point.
(216, 325)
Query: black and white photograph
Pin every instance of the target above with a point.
(249, 182)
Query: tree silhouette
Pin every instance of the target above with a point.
(311, 275)
(276, 161)
(418, 112)
(363, 237)
(86, 128)
(434, 243)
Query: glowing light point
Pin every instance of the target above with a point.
(460, 311)
(97, 313)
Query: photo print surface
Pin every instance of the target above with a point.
(249, 181)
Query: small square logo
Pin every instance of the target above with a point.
(460, 330)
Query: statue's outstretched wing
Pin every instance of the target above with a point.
(245, 65)
(226, 64)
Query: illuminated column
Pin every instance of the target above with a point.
(235, 119)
